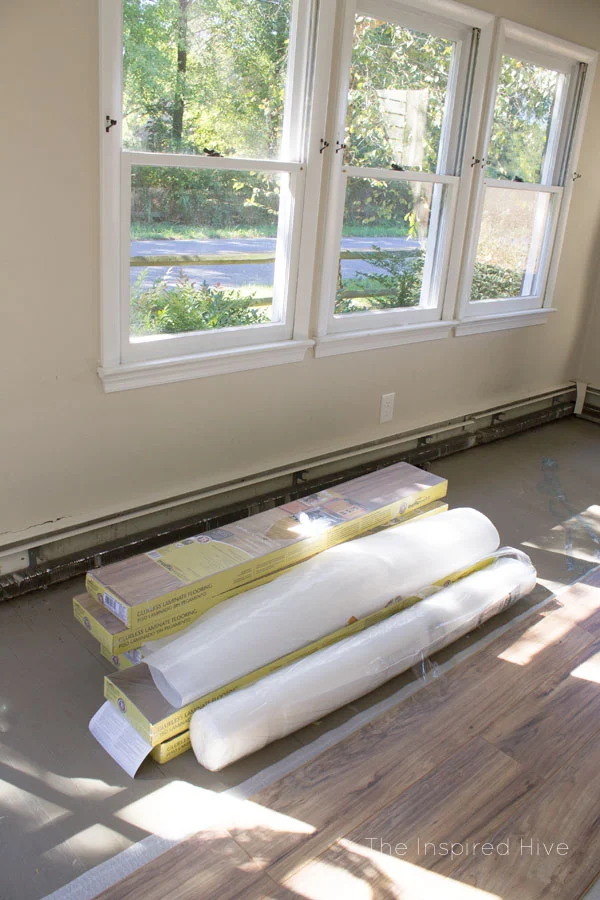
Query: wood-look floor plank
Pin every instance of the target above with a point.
(357, 777)
(581, 603)
(547, 726)
(458, 803)
(203, 867)
(564, 810)
(355, 872)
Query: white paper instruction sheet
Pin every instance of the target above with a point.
(119, 738)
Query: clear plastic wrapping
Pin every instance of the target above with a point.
(291, 698)
(316, 598)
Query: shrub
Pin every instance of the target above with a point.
(492, 282)
(162, 308)
(397, 284)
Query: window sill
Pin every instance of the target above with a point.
(349, 342)
(128, 376)
(502, 322)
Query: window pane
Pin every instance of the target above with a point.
(397, 95)
(513, 228)
(525, 101)
(388, 244)
(202, 249)
(205, 74)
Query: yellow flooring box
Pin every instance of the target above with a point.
(134, 693)
(191, 574)
(116, 639)
(121, 660)
(168, 750)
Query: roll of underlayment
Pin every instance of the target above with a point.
(315, 599)
(284, 701)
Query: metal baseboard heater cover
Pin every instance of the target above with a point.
(427, 450)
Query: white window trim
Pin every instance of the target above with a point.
(126, 376)
(180, 357)
(475, 317)
(375, 339)
(343, 334)
(503, 322)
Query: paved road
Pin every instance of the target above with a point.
(248, 274)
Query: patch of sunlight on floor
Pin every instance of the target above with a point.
(356, 872)
(179, 809)
(94, 843)
(324, 880)
(539, 637)
(68, 785)
(24, 806)
(576, 538)
(581, 602)
(589, 670)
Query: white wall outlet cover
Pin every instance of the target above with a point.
(386, 413)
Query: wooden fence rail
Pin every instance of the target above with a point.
(231, 258)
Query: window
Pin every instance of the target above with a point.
(402, 114)
(207, 164)
(523, 174)
(258, 174)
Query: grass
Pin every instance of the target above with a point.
(165, 231)
(141, 231)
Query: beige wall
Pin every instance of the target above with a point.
(69, 450)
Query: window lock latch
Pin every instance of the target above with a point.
(339, 146)
(576, 175)
(324, 145)
(110, 123)
(475, 161)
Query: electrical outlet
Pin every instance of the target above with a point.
(386, 413)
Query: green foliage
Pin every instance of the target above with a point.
(218, 65)
(396, 284)
(522, 116)
(389, 58)
(172, 309)
(211, 74)
(208, 199)
(494, 282)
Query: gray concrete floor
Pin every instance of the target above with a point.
(62, 798)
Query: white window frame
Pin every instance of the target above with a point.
(166, 358)
(556, 179)
(384, 328)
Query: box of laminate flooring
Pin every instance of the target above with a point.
(121, 644)
(190, 576)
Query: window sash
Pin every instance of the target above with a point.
(163, 346)
(532, 46)
(116, 163)
(454, 129)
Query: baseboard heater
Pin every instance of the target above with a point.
(418, 447)
(591, 405)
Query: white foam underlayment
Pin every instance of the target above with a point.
(103, 876)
